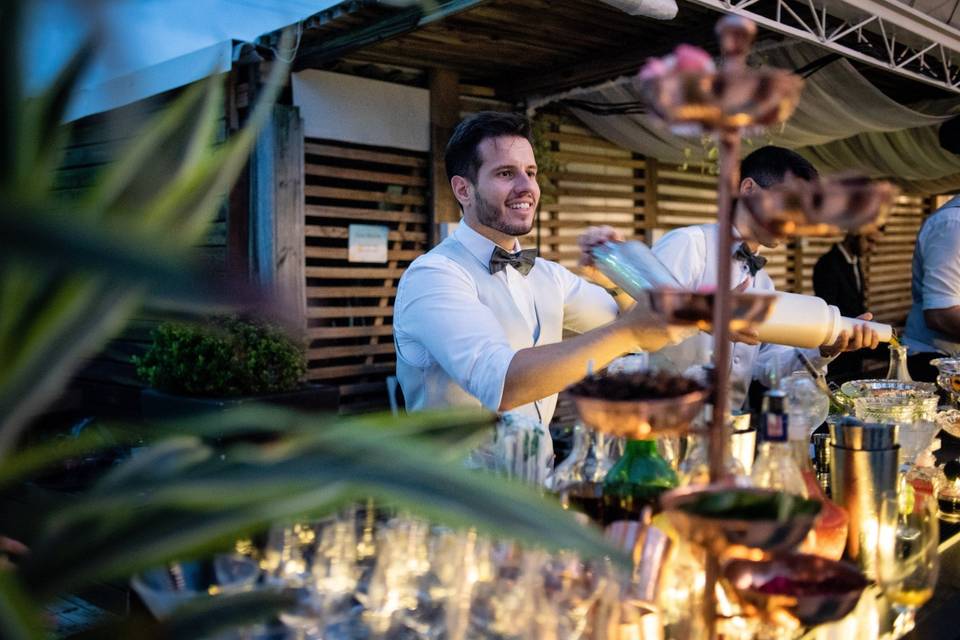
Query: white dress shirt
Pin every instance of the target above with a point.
(690, 253)
(454, 332)
(936, 279)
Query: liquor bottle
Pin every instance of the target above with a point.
(775, 467)
(898, 363)
(807, 408)
(636, 481)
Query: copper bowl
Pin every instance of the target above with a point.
(691, 308)
(737, 98)
(718, 534)
(825, 207)
(823, 590)
(640, 419)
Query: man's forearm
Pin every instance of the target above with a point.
(946, 321)
(538, 372)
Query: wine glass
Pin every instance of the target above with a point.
(907, 554)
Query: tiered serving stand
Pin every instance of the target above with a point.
(726, 103)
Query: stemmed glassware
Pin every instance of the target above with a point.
(907, 554)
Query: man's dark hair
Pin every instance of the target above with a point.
(462, 156)
(769, 165)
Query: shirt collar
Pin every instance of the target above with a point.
(479, 246)
(738, 240)
(846, 256)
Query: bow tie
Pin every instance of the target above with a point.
(753, 261)
(522, 261)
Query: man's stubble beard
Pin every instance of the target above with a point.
(488, 216)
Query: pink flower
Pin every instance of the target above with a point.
(692, 59)
(653, 68)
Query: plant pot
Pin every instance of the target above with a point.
(159, 406)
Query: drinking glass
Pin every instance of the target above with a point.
(907, 554)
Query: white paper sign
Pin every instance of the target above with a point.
(367, 243)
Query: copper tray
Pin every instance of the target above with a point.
(693, 308)
(720, 534)
(842, 585)
(729, 98)
(640, 419)
(830, 206)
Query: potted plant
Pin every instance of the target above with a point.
(224, 362)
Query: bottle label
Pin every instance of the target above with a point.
(775, 427)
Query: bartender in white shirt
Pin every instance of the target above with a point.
(477, 320)
(690, 255)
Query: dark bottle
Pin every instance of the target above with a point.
(585, 497)
(636, 481)
(948, 497)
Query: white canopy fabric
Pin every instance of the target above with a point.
(842, 123)
(147, 46)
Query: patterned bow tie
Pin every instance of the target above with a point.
(521, 261)
(753, 261)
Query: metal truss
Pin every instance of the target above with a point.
(884, 33)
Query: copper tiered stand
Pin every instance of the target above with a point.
(725, 103)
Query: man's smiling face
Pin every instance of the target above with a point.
(506, 192)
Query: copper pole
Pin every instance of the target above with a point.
(736, 36)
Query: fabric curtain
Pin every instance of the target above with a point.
(842, 123)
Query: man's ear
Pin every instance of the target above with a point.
(462, 189)
(748, 185)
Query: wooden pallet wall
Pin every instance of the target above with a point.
(350, 305)
(889, 270)
(591, 182)
(107, 382)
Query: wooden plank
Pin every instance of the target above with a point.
(335, 193)
(359, 213)
(329, 333)
(329, 373)
(350, 350)
(348, 312)
(353, 273)
(589, 158)
(569, 176)
(363, 388)
(332, 253)
(343, 233)
(362, 175)
(444, 116)
(279, 219)
(568, 207)
(381, 157)
(350, 292)
(576, 138)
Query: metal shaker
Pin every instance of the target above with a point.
(633, 267)
(863, 466)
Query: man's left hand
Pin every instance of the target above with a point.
(587, 241)
(860, 338)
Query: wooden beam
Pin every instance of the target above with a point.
(277, 214)
(444, 116)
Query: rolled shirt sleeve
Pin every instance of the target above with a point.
(586, 305)
(941, 265)
(439, 316)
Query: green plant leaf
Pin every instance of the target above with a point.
(46, 133)
(24, 464)
(152, 519)
(203, 618)
(50, 365)
(20, 618)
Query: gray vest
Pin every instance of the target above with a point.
(428, 387)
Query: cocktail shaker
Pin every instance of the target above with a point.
(863, 466)
(633, 267)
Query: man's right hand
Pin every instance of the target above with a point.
(649, 331)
